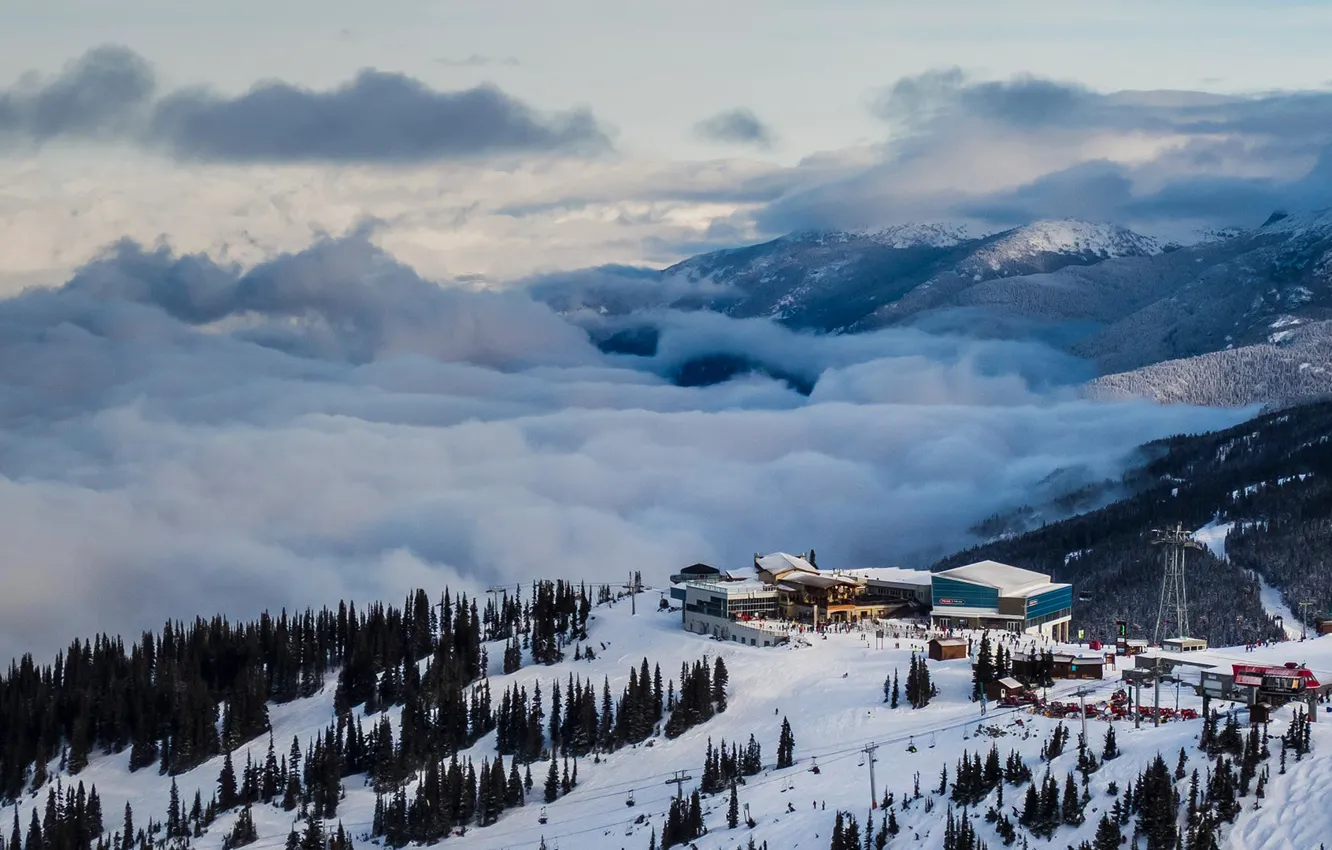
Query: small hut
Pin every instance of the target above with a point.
(947, 649)
(1004, 688)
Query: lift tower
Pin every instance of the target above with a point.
(1174, 599)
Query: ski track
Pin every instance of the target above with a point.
(832, 718)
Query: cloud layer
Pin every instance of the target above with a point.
(109, 94)
(181, 436)
(1006, 152)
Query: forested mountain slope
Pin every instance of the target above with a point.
(1269, 476)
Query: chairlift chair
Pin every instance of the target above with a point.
(911, 744)
(815, 767)
(861, 763)
(542, 819)
(932, 736)
(629, 801)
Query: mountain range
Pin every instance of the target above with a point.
(1239, 317)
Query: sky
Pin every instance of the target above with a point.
(675, 128)
(265, 332)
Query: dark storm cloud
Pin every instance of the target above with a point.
(377, 117)
(99, 95)
(735, 126)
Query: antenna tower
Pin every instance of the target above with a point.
(1174, 599)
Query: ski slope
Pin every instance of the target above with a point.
(832, 692)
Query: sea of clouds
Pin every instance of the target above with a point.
(179, 437)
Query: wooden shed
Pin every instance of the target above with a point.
(1003, 688)
(1079, 667)
(947, 649)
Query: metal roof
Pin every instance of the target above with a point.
(1009, 581)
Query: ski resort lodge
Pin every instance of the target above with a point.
(753, 605)
(991, 595)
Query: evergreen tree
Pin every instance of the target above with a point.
(552, 791)
(733, 808)
(1107, 834)
(785, 746)
(226, 784)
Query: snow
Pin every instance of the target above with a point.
(913, 234)
(900, 575)
(1009, 580)
(779, 562)
(832, 691)
(1066, 236)
(1213, 536)
(1276, 606)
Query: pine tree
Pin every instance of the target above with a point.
(1072, 807)
(733, 808)
(1107, 834)
(720, 678)
(226, 784)
(785, 746)
(552, 781)
(1111, 748)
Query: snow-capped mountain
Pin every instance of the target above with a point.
(1125, 300)
(837, 280)
(1060, 238)
(929, 234)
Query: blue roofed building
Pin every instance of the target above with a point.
(991, 595)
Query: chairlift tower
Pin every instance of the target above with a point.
(1174, 599)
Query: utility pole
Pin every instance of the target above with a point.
(679, 779)
(1304, 620)
(1137, 715)
(1082, 706)
(632, 587)
(1156, 699)
(869, 751)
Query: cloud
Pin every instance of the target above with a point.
(735, 126)
(476, 60)
(377, 117)
(1005, 152)
(98, 95)
(180, 435)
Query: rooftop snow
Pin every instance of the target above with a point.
(1010, 581)
(780, 562)
(899, 575)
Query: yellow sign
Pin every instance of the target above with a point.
(1079, 634)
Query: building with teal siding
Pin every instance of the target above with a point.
(991, 595)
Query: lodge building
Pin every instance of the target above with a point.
(754, 605)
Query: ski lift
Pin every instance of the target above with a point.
(911, 744)
(629, 801)
(629, 828)
(931, 740)
(861, 763)
(815, 768)
(542, 819)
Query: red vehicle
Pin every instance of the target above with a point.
(1290, 678)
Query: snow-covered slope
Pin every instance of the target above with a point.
(916, 234)
(832, 692)
(1293, 364)
(1064, 237)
